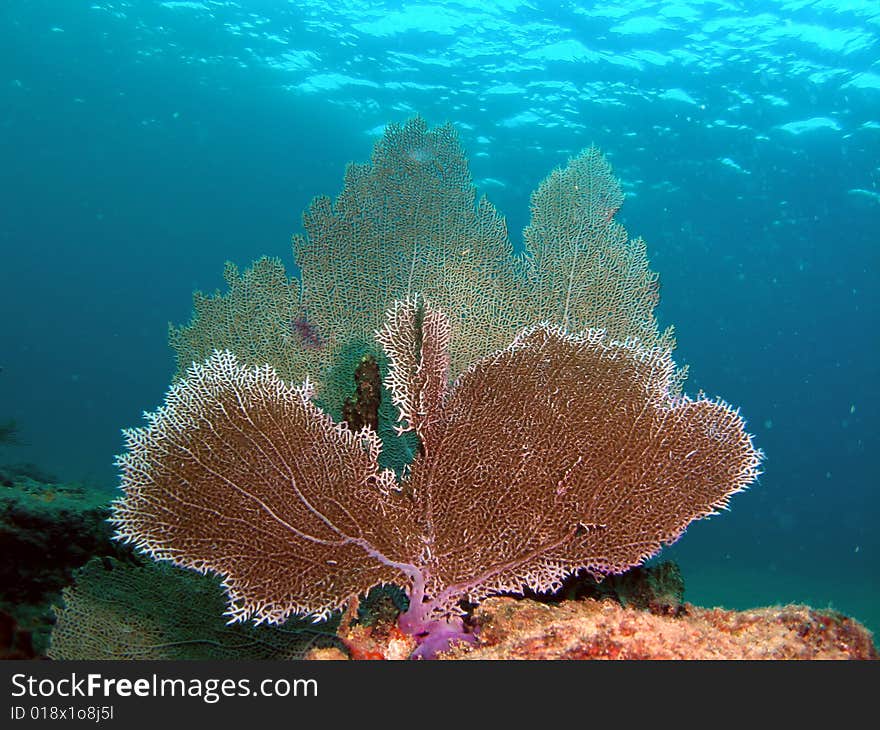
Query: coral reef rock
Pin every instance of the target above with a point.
(46, 531)
(591, 629)
(656, 588)
(15, 643)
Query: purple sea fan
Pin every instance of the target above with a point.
(558, 453)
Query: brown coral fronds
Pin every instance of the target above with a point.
(560, 452)
(563, 452)
(241, 474)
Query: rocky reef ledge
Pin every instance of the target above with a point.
(591, 629)
(511, 628)
(639, 615)
(48, 529)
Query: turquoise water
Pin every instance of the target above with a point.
(142, 144)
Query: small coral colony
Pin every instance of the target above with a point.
(422, 407)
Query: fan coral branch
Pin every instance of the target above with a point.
(416, 341)
(242, 475)
(576, 247)
(566, 452)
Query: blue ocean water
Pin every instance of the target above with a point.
(144, 143)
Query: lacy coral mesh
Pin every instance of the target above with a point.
(584, 271)
(118, 611)
(564, 452)
(409, 222)
(416, 340)
(256, 319)
(243, 475)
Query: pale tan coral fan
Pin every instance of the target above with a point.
(253, 320)
(584, 271)
(117, 611)
(410, 222)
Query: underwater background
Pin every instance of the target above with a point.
(142, 144)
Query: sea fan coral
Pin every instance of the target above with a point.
(542, 449)
(557, 453)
